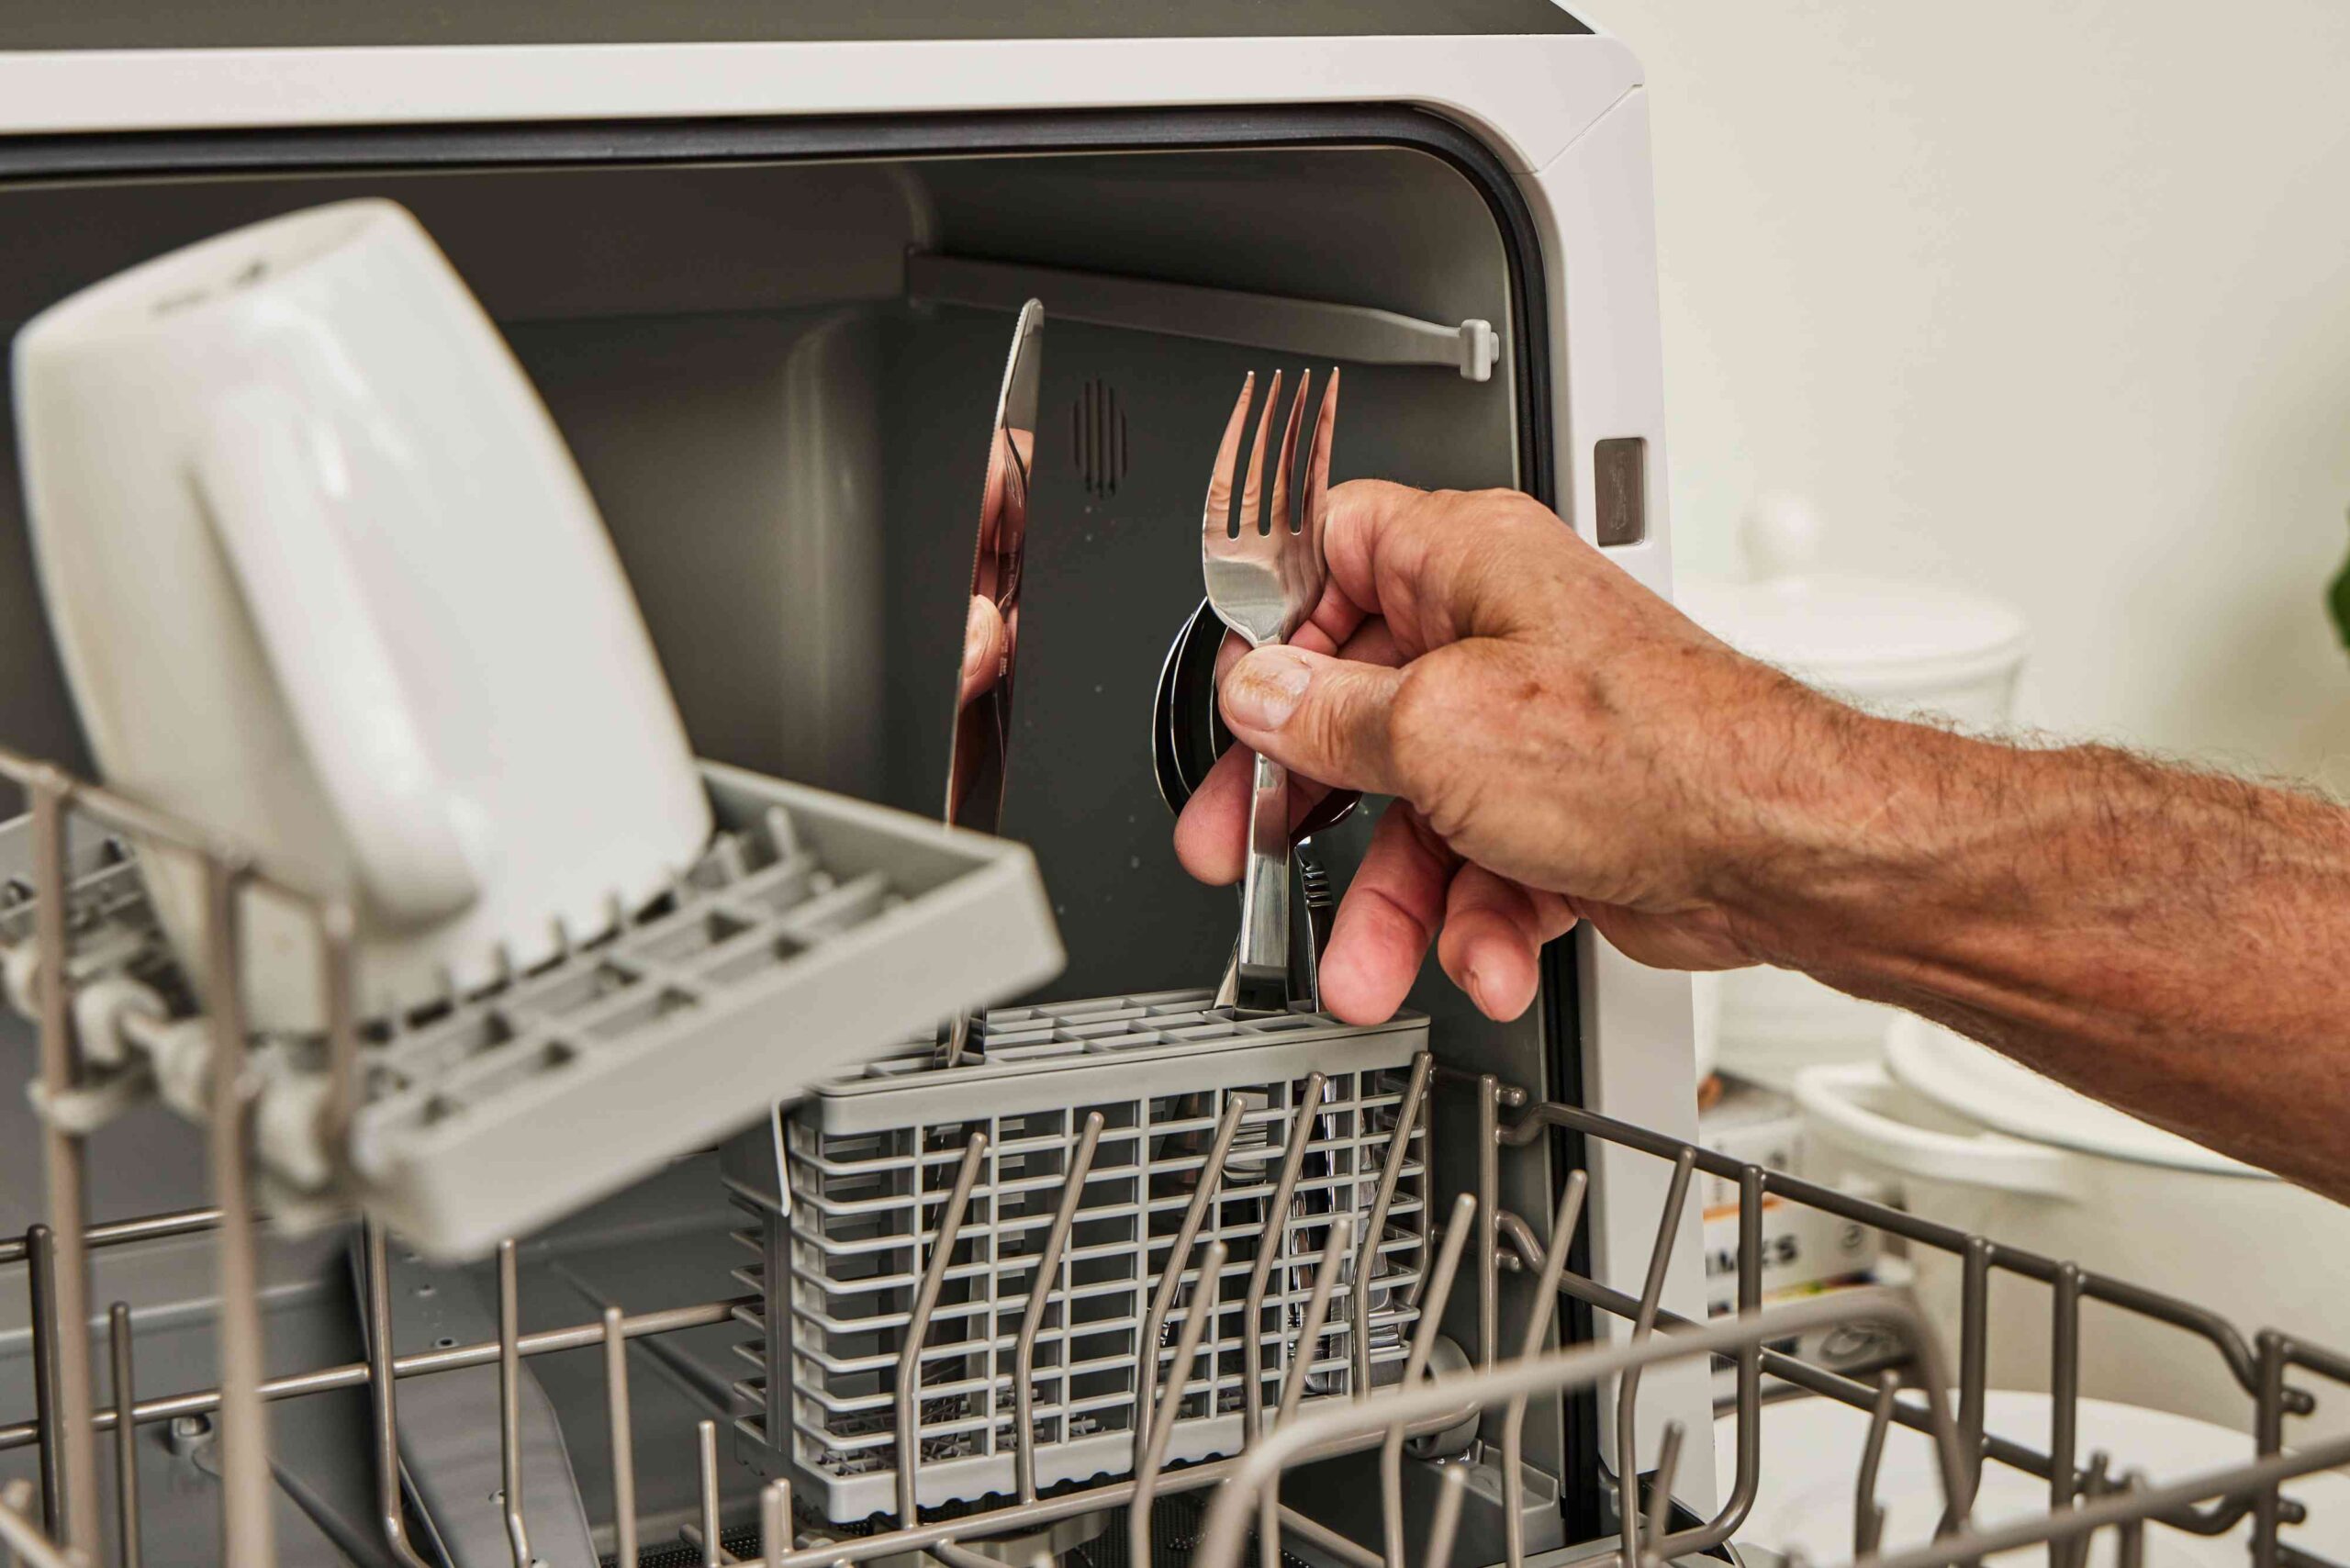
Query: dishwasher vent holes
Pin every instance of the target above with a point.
(1098, 437)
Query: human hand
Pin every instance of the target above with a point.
(1560, 743)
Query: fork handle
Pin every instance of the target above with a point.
(1264, 895)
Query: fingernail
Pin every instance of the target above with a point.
(1265, 688)
(1475, 986)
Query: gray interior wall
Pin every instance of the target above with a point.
(610, 246)
(790, 458)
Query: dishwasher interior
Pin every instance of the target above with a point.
(773, 374)
(782, 432)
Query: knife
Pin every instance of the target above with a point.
(980, 750)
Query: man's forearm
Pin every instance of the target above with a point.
(2175, 942)
(1563, 743)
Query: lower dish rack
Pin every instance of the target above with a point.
(1456, 1508)
(975, 1279)
(920, 1230)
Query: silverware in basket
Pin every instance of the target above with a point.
(1263, 577)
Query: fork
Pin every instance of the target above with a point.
(1263, 577)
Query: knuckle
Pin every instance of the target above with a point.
(1424, 708)
(1440, 740)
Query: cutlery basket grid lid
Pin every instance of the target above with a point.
(1149, 1044)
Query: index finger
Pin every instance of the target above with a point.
(1441, 566)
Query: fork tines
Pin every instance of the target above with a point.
(1252, 515)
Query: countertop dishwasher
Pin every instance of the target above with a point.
(1422, 1292)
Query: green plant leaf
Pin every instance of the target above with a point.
(2337, 600)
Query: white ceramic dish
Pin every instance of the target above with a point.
(327, 582)
(1811, 1454)
(2259, 1251)
(1980, 1084)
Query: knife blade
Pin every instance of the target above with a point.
(979, 755)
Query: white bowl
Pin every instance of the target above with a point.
(1811, 1455)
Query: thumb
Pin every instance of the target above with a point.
(1322, 717)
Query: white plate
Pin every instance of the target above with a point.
(1811, 1454)
(1977, 1083)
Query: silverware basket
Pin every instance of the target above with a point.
(855, 1189)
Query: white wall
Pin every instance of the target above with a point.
(2049, 299)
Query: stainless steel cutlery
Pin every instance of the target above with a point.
(1264, 571)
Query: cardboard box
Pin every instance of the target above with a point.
(1801, 1246)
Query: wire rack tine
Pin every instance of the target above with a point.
(1317, 1313)
(1868, 1517)
(1660, 1511)
(40, 1291)
(71, 1448)
(1272, 1244)
(1974, 1351)
(1748, 1422)
(248, 1528)
(1489, 1208)
(956, 1555)
(1162, 1426)
(1335, 1250)
(1315, 1533)
(706, 1467)
(1032, 1316)
(775, 1523)
(1628, 1388)
(2132, 1551)
(1424, 1336)
(908, 1392)
(509, 1405)
(2269, 1439)
(1163, 1297)
(126, 1433)
(383, 1389)
(2064, 1409)
(623, 1439)
(1374, 1230)
(1444, 1529)
(1537, 1328)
